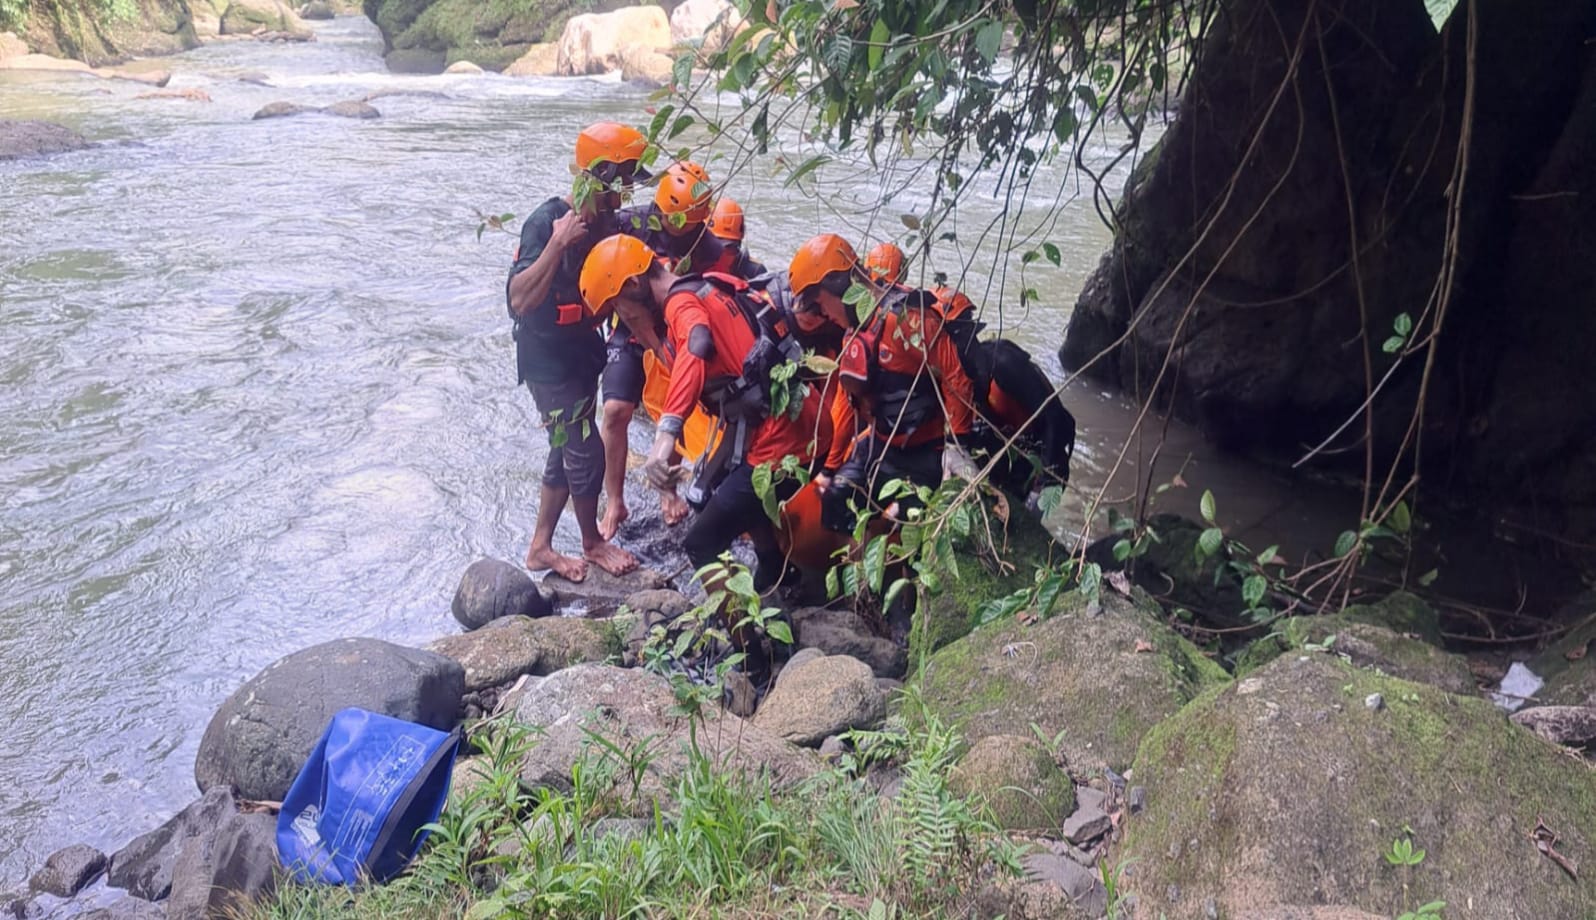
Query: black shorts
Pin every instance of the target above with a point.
(623, 368)
(576, 454)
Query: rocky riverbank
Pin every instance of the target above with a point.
(1132, 770)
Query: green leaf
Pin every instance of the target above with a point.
(1440, 11)
(780, 631)
(1053, 255)
(1209, 542)
(833, 587)
(1403, 325)
(1206, 506)
(1393, 345)
(898, 584)
(682, 123)
(1344, 543)
(741, 583)
(657, 123)
(805, 168)
(1122, 550)
(879, 36)
(1252, 590)
(875, 562)
(1399, 519)
(1428, 578)
(1029, 257)
(988, 39)
(1268, 555)
(682, 69)
(1051, 498)
(762, 488)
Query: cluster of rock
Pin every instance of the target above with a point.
(639, 42)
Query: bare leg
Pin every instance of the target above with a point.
(551, 503)
(617, 417)
(595, 548)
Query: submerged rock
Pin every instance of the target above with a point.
(1289, 795)
(493, 588)
(830, 695)
(1098, 682)
(262, 734)
(1018, 781)
(351, 108)
(37, 138)
(68, 870)
(637, 711)
(281, 110)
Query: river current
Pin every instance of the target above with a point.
(259, 391)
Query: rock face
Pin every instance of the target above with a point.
(507, 648)
(709, 24)
(67, 870)
(1018, 780)
(244, 17)
(593, 43)
(36, 138)
(432, 34)
(645, 66)
(1100, 681)
(493, 588)
(98, 33)
(1269, 255)
(843, 632)
(221, 873)
(827, 696)
(1289, 793)
(144, 867)
(540, 60)
(262, 734)
(630, 707)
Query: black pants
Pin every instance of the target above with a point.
(872, 464)
(734, 508)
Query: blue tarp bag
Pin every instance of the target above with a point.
(356, 810)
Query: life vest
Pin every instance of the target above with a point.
(885, 362)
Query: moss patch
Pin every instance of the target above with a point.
(1359, 633)
(1018, 781)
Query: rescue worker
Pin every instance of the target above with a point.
(884, 262)
(721, 340)
(908, 391)
(674, 228)
(726, 225)
(559, 353)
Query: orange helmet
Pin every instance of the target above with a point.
(727, 220)
(885, 263)
(952, 302)
(610, 264)
(684, 190)
(817, 258)
(608, 142)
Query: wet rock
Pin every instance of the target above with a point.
(222, 872)
(317, 10)
(592, 43)
(633, 708)
(1431, 761)
(68, 870)
(281, 110)
(414, 60)
(1088, 823)
(1571, 725)
(254, 17)
(493, 588)
(126, 908)
(352, 108)
(741, 699)
(1098, 682)
(507, 648)
(1081, 885)
(1017, 780)
(600, 593)
(827, 697)
(843, 632)
(262, 734)
(463, 67)
(144, 866)
(37, 138)
(540, 60)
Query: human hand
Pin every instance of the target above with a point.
(568, 228)
(822, 482)
(657, 468)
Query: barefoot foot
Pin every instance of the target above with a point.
(567, 567)
(673, 507)
(615, 514)
(610, 558)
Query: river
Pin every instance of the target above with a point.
(259, 392)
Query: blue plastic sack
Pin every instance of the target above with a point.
(356, 810)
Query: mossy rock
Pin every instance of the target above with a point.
(1099, 680)
(492, 34)
(1360, 633)
(1571, 682)
(1018, 781)
(983, 574)
(1286, 788)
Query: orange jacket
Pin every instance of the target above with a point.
(904, 375)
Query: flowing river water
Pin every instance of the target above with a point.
(259, 392)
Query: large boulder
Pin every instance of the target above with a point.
(1097, 679)
(828, 696)
(246, 17)
(645, 66)
(540, 60)
(37, 138)
(1018, 781)
(593, 43)
(11, 46)
(843, 632)
(68, 870)
(108, 33)
(493, 588)
(144, 867)
(508, 648)
(708, 25)
(221, 873)
(493, 35)
(262, 734)
(318, 10)
(1286, 789)
(600, 593)
(636, 710)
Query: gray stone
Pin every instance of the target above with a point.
(19, 138)
(144, 866)
(1087, 824)
(826, 697)
(1374, 701)
(1571, 725)
(68, 870)
(740, 697)
(833, 748)
(221, 873)
(127, 908)
(797, 661)
(317, 9)
(1082, 885)
(600, 593)
(352, 108)
(280, 109)
(510, 647)
(843, 632)
(261, 735)
(658, 604)
(1136, 798)
(1088, 797)
(491, 589)
(624, 828)
(20, 907)
(1019, 782)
